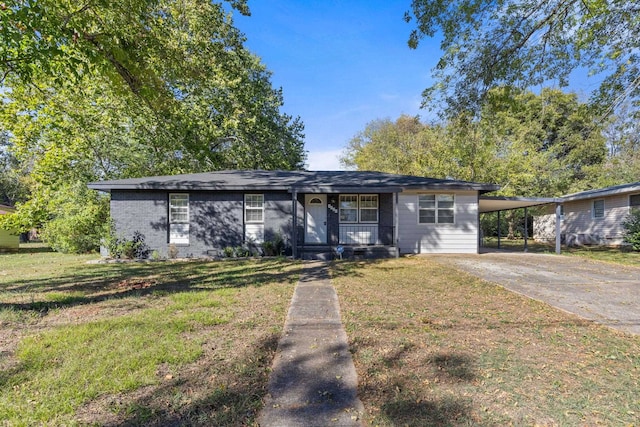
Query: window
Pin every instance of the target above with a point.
(634, 202)
(253, 208)
(348, 208)
(435, 209)
(561, 212)
(178, 208)
(356, 208)
(598, 208)
(179, 219)
(369, 208)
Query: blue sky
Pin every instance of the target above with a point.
(341, 64)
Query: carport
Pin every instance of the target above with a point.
(487, 204)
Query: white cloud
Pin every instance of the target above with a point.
(324, 160)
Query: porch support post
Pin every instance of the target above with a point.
(395, 224)
(294, 232)
(498, 229)
(558, 229)
(526, 231)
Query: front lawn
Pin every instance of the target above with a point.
(139, 343)
(598, 253)
(192, 343)
(434, 346)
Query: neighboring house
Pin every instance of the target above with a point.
(9, 240)
(591, 217)
(368, 213)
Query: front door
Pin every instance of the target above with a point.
(315, 207)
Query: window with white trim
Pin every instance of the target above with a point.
(598, 208)
(179, 218)
(436, 208)
(368, 208)
(358, 208)
(634, 202)
(348, 208)
(254, 208)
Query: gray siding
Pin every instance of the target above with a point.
(278, 216)
(216, 219)
(143, 211)
(460, 237)
(579, 225)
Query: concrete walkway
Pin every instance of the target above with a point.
(313, 381)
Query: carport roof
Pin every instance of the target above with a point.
(497, 203)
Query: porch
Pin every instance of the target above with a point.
(328, 253)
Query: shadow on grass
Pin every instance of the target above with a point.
(400, 401)
(235, 402)
(457, 367)
(349, 268)
(426, 413)
(34, 249)
(95, 283)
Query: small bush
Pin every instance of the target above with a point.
(136, 248)
(242, 252)
(632, 229)
(173, 251)
(274, 247)
(228, 252)
(140, 249)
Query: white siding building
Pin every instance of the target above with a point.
(438, 222)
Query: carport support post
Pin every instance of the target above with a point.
(558, 228)
(526, 231)
(498, 229)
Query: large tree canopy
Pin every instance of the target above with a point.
(532, 145)
(523, 43)
(116, 89)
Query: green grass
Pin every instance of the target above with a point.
(435, 346)
(137, 343)
(598, 253)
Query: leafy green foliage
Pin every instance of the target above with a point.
(109, 90)
(529, 144)
(136, 248)
(13, 185)
(78, 220)
(632, 229)
(518, 42)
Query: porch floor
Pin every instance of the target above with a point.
(328, 252)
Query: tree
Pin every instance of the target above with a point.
(13, 185)
(623, 140)
(529, 144)
(532, 145)
(547, 144)
(106, 90)
(521, 43)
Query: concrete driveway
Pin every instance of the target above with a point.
(605, 293)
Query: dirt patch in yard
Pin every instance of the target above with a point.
(606, 293)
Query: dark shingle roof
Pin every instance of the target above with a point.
(601, 192)
(302, 181)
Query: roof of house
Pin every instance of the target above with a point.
(602, 192)
(300, 181)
